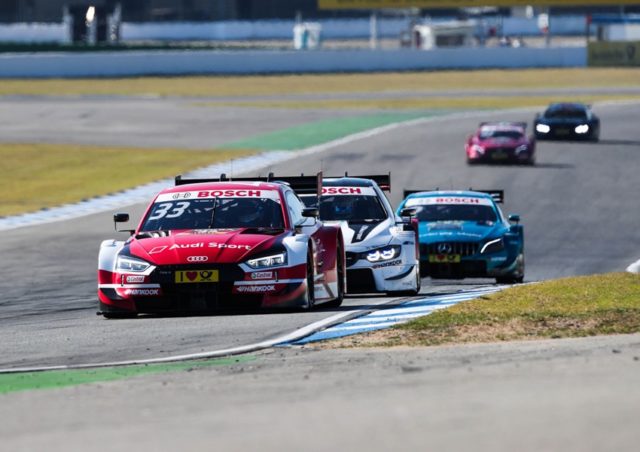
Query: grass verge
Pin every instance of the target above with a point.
(62, 378)
(569, 307)
(318, 132)
(52, 174)
(244, 86)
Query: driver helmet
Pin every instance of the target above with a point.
(343, 206)
(249, 211)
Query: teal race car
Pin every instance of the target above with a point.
(464, 234)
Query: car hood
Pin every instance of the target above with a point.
(562, 121)
(363, 235)
(457, 231)
(211, 246)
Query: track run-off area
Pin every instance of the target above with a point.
(579, 207)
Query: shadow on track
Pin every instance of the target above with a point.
(538, 165)
(620, 142)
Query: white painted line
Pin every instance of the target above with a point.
(374, 320)
(396, 311)
(634, 268)
(362, 327)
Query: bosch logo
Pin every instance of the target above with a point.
(197, 259)
(444, 248)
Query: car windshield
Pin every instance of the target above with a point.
(492, 133)
(447, 212)
(566, 112)
(214, 213)
(351, 208)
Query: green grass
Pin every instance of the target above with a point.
(318, 132)
(243, 86)
(569, 307)
(25, 381)
(36, 176)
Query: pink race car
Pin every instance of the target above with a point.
(501, 142)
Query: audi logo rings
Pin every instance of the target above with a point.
(197, 259)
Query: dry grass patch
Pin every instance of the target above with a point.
(36, 176)
(243, 86)
(569, 307)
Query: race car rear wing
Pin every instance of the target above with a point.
(301, 184)
(497, 195)
(504, 123)
(383, 180)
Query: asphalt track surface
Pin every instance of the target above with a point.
(579, 205)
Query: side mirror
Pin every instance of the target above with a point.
(311, 212)
(121, 218)
(408, 212)
(514, 219)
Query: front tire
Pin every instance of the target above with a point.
(517, 276)
(337, 302)
(411, 292)
(311, 277)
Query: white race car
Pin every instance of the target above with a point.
(382, 253)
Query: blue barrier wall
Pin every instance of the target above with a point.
(121, 64)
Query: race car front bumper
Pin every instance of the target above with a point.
(475, 265)
(232, 289)
(501, 155)
(392, 276)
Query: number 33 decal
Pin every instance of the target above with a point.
(165, 210)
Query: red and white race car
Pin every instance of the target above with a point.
(501, 142)
(207, 245)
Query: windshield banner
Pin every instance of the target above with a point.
(450, 200)
(221, 193)
(348, 191)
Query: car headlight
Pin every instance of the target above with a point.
(542, 128)
(274, 260)
(582, 128)
(383, 254)
(130, 264)
(493, 246)
(477, 149)
(522, 148)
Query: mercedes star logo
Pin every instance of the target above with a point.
(444, 248)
